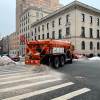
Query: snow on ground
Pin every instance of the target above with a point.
(94, 58)
(6, 61)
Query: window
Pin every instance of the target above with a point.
(22, 24)
(67, 31)
(42, 36)
(91, 33)
(91, 20)
(53, 35)
(59, 21)
(43, 27)
(28, 14)
(98, 36)
(91, 46)
(35, 37)
(28, 20)
(24, 29)
(24, 17)
(60, 35)
(47, 35)
(83, 17)
(47, 26)
(32, 33)
(98, 21)
(53, 23)
(28, 27)
(39, 37)
(35, 30)
(67, 18)
(98, 45)
(83, 45)
(83, 32)
(39, 29)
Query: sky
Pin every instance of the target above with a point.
(8, 14)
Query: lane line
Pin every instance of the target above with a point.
(27, 85)
(27, 95)
(21, 75)
(16, 73)
(72, 94)
(25, 79)
(10, 74)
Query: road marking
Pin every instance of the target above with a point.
(10, 75)
(27, 95)
(72, 94)
(25, 79)
(27, 85)
(21, 75)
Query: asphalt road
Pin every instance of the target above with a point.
(77, 81)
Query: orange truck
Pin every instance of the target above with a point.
(51, 52)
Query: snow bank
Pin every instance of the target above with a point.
(5, 61)
(94, 58)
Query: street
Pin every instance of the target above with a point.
(77, 81)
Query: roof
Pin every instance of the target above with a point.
(73, 4)
(36, 8)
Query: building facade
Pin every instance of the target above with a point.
(5, 45)
(76, 22)
(22, 5)
(29, 16)
(13, 44)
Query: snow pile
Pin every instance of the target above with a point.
(94, 58)
(6, 60)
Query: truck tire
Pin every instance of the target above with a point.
(56, 62)
(62, 61)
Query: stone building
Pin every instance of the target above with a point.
(76, 22)
(22, 5)
(29, 16)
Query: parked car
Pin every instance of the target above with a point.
(15, 58)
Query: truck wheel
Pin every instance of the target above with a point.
(62, 61)
(56, 62)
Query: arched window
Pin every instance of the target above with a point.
(91, 46)
(98, 46)
(98, 36)
(83, 45)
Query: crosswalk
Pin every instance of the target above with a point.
(25, 85)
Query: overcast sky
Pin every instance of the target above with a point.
(7, 13)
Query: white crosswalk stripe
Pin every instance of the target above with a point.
(18, 75)
(40, 91)
(72, 94)
(35, 80)
(27, 85)
(24, 79)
